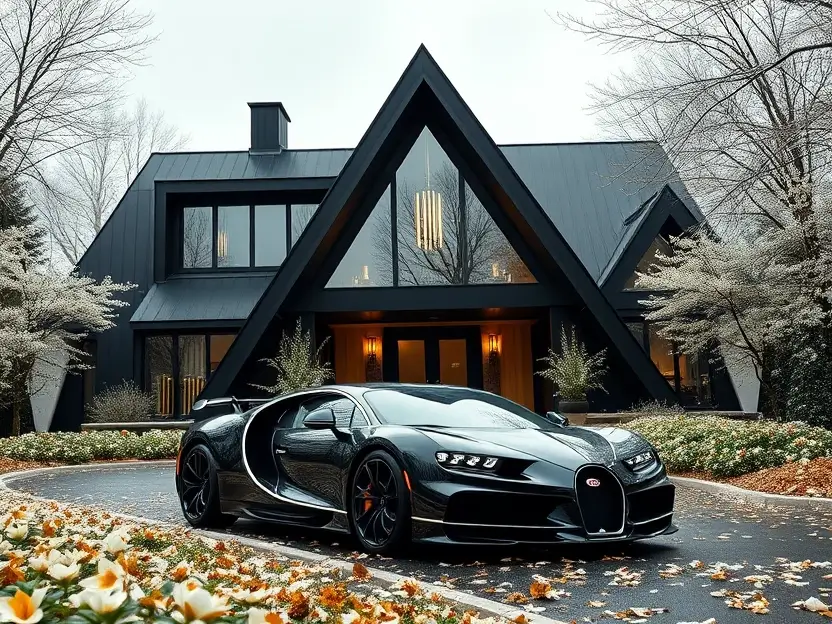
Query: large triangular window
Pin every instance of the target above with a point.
(648, 260)
(443, 233)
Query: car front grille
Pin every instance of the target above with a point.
(601, 501)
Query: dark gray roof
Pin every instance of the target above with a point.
(228, 298)
(587, 189)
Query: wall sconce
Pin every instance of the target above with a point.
(493, 347)
(372, 348)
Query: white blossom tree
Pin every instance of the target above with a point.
(751, 294)
(44, 313)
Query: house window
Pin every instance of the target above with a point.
(197, 240)
(241, 237)
(269, 235)
(233, 236)
(648, 260)
(177, 366)
(687, 374)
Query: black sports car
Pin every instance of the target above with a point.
(393, 463)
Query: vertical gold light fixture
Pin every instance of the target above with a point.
(428, 213)
(222, 244)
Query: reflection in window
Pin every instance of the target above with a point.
(694, 380)
(369, 260)
(658, 246)
(637, 330)
(233, 236)
(158, 353)
(429, 217)
(661, 352)
(218, 346)
(191, 369)
(301, 215)
(197, 237)
(269, 235)
(491, 258)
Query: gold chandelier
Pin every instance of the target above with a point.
(428, 213)
(222, 244)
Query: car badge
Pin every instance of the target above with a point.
(593, 482)
(602, 530)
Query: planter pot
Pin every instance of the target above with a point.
(575, 411)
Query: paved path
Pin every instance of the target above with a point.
(712, 530)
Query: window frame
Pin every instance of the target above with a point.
(176, 369)
(252, 267)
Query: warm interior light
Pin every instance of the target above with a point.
(372, 346)
(492, 344)
(428, 213)
(222, 244)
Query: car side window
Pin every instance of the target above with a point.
(307, 406)
(343, 409)
(359, 420)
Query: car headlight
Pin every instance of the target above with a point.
(641, 460)
(467, 461)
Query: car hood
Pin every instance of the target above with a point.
(569, 447)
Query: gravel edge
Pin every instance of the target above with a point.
(752, 496)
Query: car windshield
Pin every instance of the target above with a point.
(451, 407)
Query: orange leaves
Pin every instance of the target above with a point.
(721, 575)
(538, 589)
(333, 596)
(11, 573)
(521, 619)
(516, 598)
(360, 571)
(299, 608)
(754, 602)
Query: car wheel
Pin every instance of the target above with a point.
(380, 504)
(199, 492)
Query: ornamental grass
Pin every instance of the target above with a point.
(728, 448)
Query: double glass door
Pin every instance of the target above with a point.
(436, 355)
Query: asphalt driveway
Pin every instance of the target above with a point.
(776, 546)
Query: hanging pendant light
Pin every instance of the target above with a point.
(222, 244)
(428, 213)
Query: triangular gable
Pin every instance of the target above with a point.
(665, 211)
(425, 96)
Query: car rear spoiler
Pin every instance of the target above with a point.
(236, 403)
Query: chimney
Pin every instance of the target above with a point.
(269, 127)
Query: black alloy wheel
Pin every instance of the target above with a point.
(380, 510)
(199, 490)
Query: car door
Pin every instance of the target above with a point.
(314, 461)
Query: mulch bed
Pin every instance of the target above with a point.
(812, 478)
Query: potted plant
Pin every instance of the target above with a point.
(574, 372)
(296, 365)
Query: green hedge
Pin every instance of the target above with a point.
(729, 448)
(77, 448)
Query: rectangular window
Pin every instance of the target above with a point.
(158, 360)
(192, 359)
(233, 236)
(218, 347)
(269, 235)
(687, 374)
(198, 234)
(301, 215)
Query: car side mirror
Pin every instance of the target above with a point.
(323, 418)
(559, 419)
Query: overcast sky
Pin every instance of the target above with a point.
(333, 62)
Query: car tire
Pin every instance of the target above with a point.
(380, 514)
(199, 492)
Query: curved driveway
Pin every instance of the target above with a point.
(712, 530)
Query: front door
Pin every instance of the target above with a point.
(437, 355)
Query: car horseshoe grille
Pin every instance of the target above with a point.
(601, 501)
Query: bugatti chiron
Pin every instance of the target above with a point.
(396, 463)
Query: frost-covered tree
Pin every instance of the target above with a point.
(765, 297)
(43, 315)
(296, 365)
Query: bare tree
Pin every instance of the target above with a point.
(80, 190)
(474, 250)
(60, 62)
(738, 93)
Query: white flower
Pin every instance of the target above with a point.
(251, 597)
(349, 618)
(263, 616)
(22, 608)
(196, 603)
(109, 577)
(5, 547)
(102, 602)
(42, 562)
(17, 531)
(61, 572)
(115, 542)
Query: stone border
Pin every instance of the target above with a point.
(483, 605)
(752, 496)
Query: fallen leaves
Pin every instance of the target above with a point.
(754, 602)
(815, 606)
(624, 577)
(635, 612)
(360, 572)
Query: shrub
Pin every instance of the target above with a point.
(574, 371)
(656, 408)
(728, 448)
(77, 448)
(125, 402)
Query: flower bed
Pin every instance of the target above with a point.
(78, 448)
(727, 448)
(81, 566)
